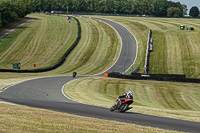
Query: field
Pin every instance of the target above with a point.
(175, 51)
(38, 42)
(175, 100)
(97, 50)
(38, 39)
(18, 119)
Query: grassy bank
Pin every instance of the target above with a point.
(39, 39)
(18, 119)
(97, 50)
(175, 100)
(175, 51)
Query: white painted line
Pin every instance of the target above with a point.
(62, 90)
(1, 101)
(121, 45)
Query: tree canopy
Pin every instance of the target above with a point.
(194, 11)
(174, 12)
(11, 10)
(147, 7)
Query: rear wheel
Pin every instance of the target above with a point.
(123, 107)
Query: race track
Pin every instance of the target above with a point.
(47, 93)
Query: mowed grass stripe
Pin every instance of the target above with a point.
(40, 39)
(155, 60)
(97, 50)
(81, 53)
(33, 46)
(58, 35)
(157, 98)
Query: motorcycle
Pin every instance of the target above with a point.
(74, 74)
(124, 106)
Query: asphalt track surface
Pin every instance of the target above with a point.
(47, 93)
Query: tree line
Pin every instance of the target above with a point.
(148, 7)
(11, 10)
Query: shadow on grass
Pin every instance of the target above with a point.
(4, 37)
(24, 27)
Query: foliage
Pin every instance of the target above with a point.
(11, 10)
(0, 20)
(173, 12)
(184, 9)
(194, 11)
(147, 7)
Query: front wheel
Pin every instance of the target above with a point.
(112, 108)
(123, 107)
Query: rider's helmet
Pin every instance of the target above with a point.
(129, 94)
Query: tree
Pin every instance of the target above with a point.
(194, 11)
(174, 12)
(184, 9)
(160, 8)
(37, 5)
(0, 20)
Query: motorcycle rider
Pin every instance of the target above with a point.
(74, 74)
(122, 98)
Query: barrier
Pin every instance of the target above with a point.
(149, 49)
(59, 63)
(158, 77)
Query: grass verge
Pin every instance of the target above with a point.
(18, 119)
(151, 97)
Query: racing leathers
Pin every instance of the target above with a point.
(123, 98)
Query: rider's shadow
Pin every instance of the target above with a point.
(131, 112)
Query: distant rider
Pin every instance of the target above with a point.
(74, 74)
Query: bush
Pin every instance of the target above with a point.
(0, 20)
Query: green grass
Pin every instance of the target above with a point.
(18, 119)
(39, 39)
(175, 100)
(97, 50)
(175, 51)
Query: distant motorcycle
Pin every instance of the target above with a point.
(74, 74)
(124, 106)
